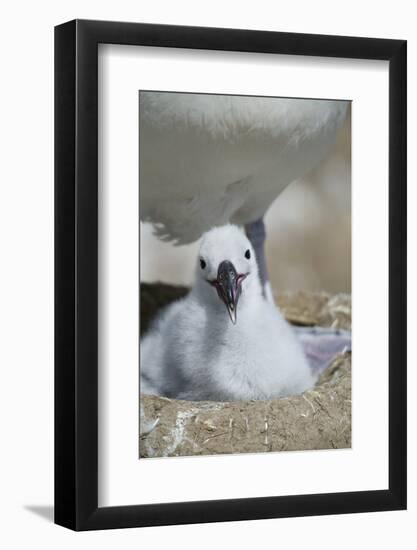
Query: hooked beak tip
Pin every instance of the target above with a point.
(232, 313)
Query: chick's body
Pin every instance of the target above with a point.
(193, 351)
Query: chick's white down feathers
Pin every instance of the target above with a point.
(193, 351)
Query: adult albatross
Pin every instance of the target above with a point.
(209, 160)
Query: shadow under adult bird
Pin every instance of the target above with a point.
(223, 341)
(208, 160)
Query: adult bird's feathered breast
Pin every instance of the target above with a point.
(207, 160)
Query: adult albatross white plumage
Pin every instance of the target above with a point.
(207, 160)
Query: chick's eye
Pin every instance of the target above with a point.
(202, 264)
(247, 254)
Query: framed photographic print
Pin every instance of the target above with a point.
(230, 252)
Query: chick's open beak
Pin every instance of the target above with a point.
(228, 286)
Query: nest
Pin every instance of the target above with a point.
(320, 418)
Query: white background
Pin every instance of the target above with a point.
(26, 301)
(122, 478)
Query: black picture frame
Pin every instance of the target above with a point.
(76, 272)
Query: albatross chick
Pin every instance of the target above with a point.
(224, 341)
